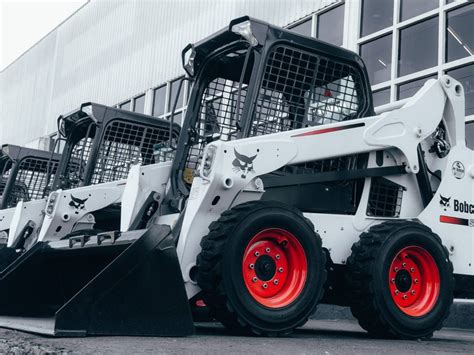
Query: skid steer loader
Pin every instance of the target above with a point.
(286, 189)
(26, 175)
(100, 145)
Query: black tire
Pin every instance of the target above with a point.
(220, 271)
(369, 281)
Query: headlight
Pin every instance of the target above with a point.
(245, 30)
(87, 110)
(6, 149)
(208, 160)
(51, 203)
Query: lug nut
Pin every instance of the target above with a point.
(396, 269)
(412, 292)
(275, 281)
(251, 266)
(264, 285)
(393, 280)
(404, 297)
(412, 269)
(257, 253)
(267, 250)
(280, 269)
(254, 279)
(277, 256)
(404, 264)
(397, 292)
(415, 280)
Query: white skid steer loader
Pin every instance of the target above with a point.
(286, 190)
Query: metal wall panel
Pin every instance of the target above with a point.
(111, 50)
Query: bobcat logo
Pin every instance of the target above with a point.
(444, 201)
(243, 164)
(77, 203)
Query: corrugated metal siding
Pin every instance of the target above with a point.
(111, 50)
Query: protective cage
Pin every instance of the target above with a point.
(285, 83)
(103, 143)
(27, 175)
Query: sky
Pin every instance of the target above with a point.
(25, 22)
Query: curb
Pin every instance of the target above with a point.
(461, 314)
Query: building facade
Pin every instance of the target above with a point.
(128, 53)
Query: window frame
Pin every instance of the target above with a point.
(439, 69)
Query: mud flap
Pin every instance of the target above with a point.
(129, 286)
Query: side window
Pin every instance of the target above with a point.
(301, 89)
(125, 144)
(333, 102)
(470, 135)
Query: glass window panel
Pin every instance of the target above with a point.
(159, 100)
(174, 91)
(139, 104)
(412, 8)
(303, 28)
(460, 33)
(331, 26)
(377, 56)
(410, 88)
(376, 15)
(418, 47)
(125, 106)
(381, 97)
(465, 75)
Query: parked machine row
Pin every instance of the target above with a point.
(282, 189)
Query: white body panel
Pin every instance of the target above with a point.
(25, 212)
(64, 216)
(141, 182)
(6, 216)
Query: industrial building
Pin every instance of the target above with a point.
(128, 53)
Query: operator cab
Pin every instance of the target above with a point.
(102, 143)
(253, 79)
(26, 174)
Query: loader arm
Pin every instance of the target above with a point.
(236, 166)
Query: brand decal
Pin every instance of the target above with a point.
(456, 205)
(330, 129)
(243, 164)
(444, 201)
(458, 170)
(77, 204)
(456, 220)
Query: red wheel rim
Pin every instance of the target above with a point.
(414, 281)
(274, 267)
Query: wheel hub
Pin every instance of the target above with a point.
(403, 280)
(265, 267)
(274, 267)
(414, 281)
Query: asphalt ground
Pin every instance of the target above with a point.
(316, 337)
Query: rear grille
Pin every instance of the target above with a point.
(123, 145)
(385, 198)
(32, 181)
